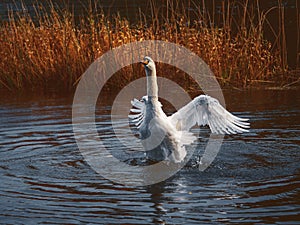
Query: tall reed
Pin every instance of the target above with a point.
(53, 49)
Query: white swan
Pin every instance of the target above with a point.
(163, 137)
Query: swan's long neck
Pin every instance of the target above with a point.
(152, 88)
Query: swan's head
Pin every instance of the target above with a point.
(148, 63)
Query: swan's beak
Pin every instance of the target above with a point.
(144, 62)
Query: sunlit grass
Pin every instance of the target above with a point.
(52, 50)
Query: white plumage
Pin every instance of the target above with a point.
(165, 138)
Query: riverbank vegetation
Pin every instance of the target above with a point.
(53, 47)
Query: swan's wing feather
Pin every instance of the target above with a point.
(135, 110)
(139, 112)
(134, 116)
(137, 103)
(205, 110)
(188, 116)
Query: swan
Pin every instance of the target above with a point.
(165, 137)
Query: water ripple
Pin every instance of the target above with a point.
(44, 179)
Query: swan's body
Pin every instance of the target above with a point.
(163, 137)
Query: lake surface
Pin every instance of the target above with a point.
(254, 179)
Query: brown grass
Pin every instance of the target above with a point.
(52, 50)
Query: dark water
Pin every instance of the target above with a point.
(254, 179)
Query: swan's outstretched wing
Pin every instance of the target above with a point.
(139, 111)
(205, 110)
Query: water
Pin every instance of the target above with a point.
(254, 179)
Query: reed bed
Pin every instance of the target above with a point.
(52, 49)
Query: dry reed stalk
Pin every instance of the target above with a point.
(53, 51)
